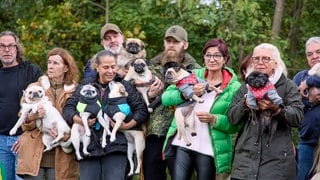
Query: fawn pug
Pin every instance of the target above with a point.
(143, 78)
(184, 80)
(34, 97)
(118, 97)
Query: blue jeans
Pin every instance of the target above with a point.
(8, 159)
(305, 160)
(111, 166)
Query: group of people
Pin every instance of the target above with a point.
(226, 143)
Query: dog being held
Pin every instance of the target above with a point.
(259, 87)
(142, 79)
(118, 110)
(134, 48)
(33, 97)
(88, 107)
(184, 80)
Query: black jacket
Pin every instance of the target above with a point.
(139, 114)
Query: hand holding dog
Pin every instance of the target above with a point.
(266, 104)
(38, 115)
(54, 133)
(302, 88)
(199, 89)
(155, 88)
(125, 126)
(15, 146)
(206, 117)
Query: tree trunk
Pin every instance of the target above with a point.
(277, 18)
(295, 28)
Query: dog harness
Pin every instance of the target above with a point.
(259, 93)
(146, 84)
(118, 104)
(191, 80)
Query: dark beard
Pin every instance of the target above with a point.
(172, 56)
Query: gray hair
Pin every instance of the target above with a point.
(312, 40)
(20, 50)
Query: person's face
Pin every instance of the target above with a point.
(112, 41)
(313, 53)
(56, 68)
(8, 51)
(107, 69)
(262, 61)
(213, 59)
(173, 48)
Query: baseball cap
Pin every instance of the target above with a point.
(177, 32)
(109, 27)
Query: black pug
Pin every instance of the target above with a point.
(259, 87)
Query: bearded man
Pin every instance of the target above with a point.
(175, 46)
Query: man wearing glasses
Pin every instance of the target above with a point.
(15, 75)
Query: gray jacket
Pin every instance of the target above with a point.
(276, 162)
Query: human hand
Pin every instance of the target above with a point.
(40, 113)
(314, 95)
(155, 88)
(265, 104)
(206, 117)
(91, 121)
(15, 147)
(302, 89)
(199, 89)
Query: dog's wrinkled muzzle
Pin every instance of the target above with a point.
(36, 95)
(139, 68)
(133, 48)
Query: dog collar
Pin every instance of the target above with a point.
(146, 84)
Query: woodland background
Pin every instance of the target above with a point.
(243, 24)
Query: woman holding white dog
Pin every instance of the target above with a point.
(262, 160)
(210, 151)
(109, 162)
(33, 163)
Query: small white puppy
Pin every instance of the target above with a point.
(33, 97)
(118, 96)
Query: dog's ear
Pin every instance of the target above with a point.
(117, 78)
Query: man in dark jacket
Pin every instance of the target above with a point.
(15, 75)
(309, 131)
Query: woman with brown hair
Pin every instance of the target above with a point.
(33, 163)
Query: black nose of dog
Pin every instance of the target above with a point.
(36, 95)
(139, 68)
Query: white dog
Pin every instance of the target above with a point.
(33, 97)
(135, 138)
(142, 78)
(88, 106)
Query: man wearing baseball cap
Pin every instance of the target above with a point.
(111, 39)
(175, 46)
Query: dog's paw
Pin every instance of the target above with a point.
(13, 131)
(112, 138)
(150, 110)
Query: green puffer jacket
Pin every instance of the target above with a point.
(221, 132)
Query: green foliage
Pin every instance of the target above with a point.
(75, 25)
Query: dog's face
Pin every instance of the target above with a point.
(134, 45)
(139, 65)
(33, 94)
(117, 89)
(173, 72)
(257, 79)
(89, 92)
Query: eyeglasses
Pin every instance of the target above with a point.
(216, 57)
(10, 47)
(264, 59)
